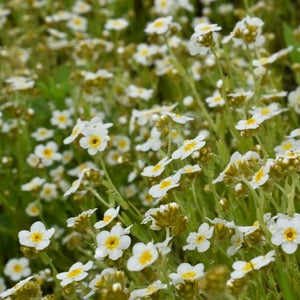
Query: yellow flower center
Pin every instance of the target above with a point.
(200, 238)
(189, 146)
(144, 52)
(163, 3)
(157, 167)
(43, 132)
(47, 191)
(250, 121)
(62, 119)
(34, 209)
(74, 272)
(107, 218)
(265, 111)
(189, 275)
(151, 289)
(287, 146)
(112, 242)
(205, 28)
(165, 184)
(36, 237)
(48, 153)
(94, 141)
(122, 144)
(259, 175)
(248, 266)
(77, 22)
(75, 131)
(146, 257)
(17, 268)
(217, 99)
(290, 234)
(158, 24)
(116, 23)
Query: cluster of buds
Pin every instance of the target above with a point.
(213, 285)
(112, 286)
(167, 216)
(187, 290)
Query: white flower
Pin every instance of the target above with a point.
(262, 175)
(16, 268)
(236, 243)
(138, 92)
(247, 31)
(71, 222)
(179, 118)
(20, 83)
(76, 131)
(161, 189)
(287, 234)
(241, 268)
(122, 142)
(196, 44)
(116, 24)
(81, 7)
(152, 288)
(94, 140)
(144, 54)
(15, 288)
(109, 215)
(32, 209)
(33, 184)
(294, 133)
(112, 243)
(77, 23)
(294, 100)
(48, 191)
(153, 143)
(77, 272)
(38, 237)
(187, 272)
(47, 153)
(154, 171)
(61, 119)
(188, 169)
(188, 147)
(267, 112)
(269, 60)
(215, 100)
(199, 239)
(143, 256)
(251, 123)
(42, 134)
(159, 26)
(287, 145)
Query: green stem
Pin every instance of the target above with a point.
(96, 194)
(48, 261)
(291, 196)
(120, 199)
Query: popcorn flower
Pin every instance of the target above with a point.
(38, 237)
(199, 239)
(109, 215)
(186, 272)
(144, 255)
(77, 272)
(112, 243)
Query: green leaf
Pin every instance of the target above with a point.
(290, 41)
